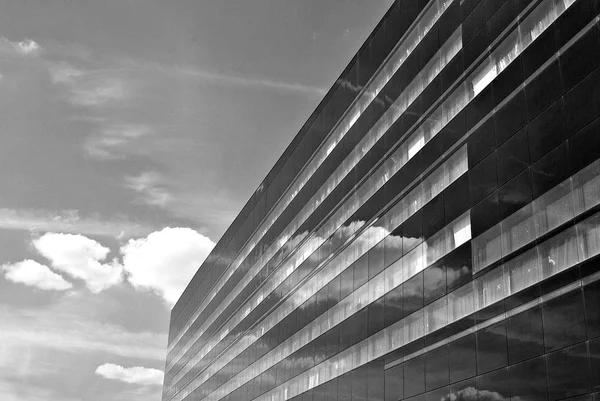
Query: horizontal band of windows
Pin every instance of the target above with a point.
(434, 184)
(545, 260)
(575, 245)
(503, 55)
(404, 48)
(433, 68)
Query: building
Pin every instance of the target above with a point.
(431, 234)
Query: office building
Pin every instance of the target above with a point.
(431, 234)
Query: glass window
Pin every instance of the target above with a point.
(463, 358)
(412, 294)
(434, 216)
(559, 253)
(592, 310)
(491, 348)
(359, 383)
(518, 230)
(434, 281)
(568, 372)
(514, 194)
(595, 365)
(376, 381)
(510, 118)
(436, 368)
(564, 322)
(547, 130)
(414, 376)
(393, 247)
(483, 179)
(393, 306)
(461, 302)
(487, 248)
(394, 383)
(458, 266)
(493, 383)
(525, 336)
(528, 380)
(583, 102)
(543, 90)
(513, 156)
(484, 214)
(554, 208)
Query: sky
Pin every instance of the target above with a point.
(132, 132)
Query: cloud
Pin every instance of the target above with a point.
(34, 274)
(69, 221)
(134, 375)
(89, 88)
(149, 186)
(166, 260)
(111, 140)
(80, 257)
(25, 47)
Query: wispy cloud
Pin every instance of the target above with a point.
(133, 375)
(34, 274)
(71, 332)
(233, 80)
(25, 47)
(112, 140)
(70, 221)
(150, 187)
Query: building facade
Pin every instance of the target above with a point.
(431, 234)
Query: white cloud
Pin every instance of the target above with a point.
(149, 186)
(134, 375)
(80, 257)
(34, 274)
(166, 260)
(25, 47)
(69, 221)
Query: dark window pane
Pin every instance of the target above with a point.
(550, 170)
(434, 216)
(463, 358)
(375, 381)
(454, 201)
(513, 156)
(583, 102)
(465, 390)
(459, 266)
(393, 247)
(592, 309)
(436, 368)
(514, 194)
(394, 383)
(584, 147)
(414, 377)
(359, 383)
(543, 90)
(412, 294)
(491, 348)
(376, 259)
(393, 306)
(568, 372)
(483, 179)
(510, 118)
(494, 386)
(547, 130)
(376, 316)
(528, 380)
(361, 271)
(525, 336)
(564, 322)
(595, 363)
(345, 388)
(580, 59)
(440, 394)
(542, 48)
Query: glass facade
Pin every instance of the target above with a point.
(432, 233)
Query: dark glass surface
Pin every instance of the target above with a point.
(480, 106)
(547, 130)
(414, 376)
(594, 347)
(513, 156)
(483, 179)
(412, 231)
(345, 387)
(528, 380)
(584, 147)
(491, 348)
(484, 214)
(359, 383)
(564, 322)
(568, 372)
(434, 210)
(393, 247)
(376, 380)
(474, 22)
(437, 368)
(592, 309)
(394, 383)
(361, 271)
(481, 142)
(412, 294)
(511, 117)
(494, 385)
(508, 80)
(582, 103)
(393, 306)
(454, 202)
(515, 194)
(574, 19)
(579, 60)
(540, 50)
(550, 170)
(525, 336)
(463, 358)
